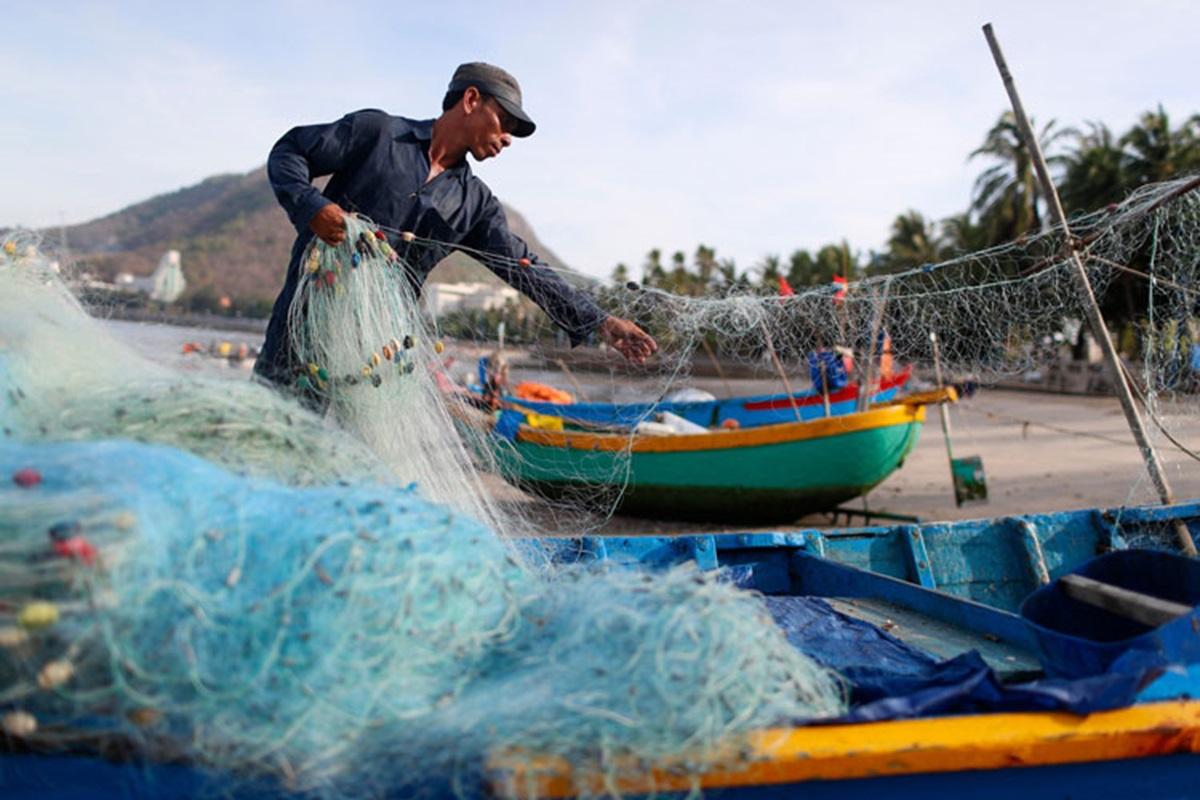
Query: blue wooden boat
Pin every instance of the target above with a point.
(748, 411)
(941, 588)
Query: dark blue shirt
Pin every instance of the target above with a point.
(378, 164)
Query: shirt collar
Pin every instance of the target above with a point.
(421, 130)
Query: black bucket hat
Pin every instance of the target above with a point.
(496, 83)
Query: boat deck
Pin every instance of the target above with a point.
(940, 639)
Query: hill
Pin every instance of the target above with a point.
(233, 237)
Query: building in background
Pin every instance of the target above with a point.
(165, 284)
(445, 298)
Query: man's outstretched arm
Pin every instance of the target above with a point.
(572, 310)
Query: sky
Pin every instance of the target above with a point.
(752, 127)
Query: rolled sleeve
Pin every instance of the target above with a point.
(312, 151)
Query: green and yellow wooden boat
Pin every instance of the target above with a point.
(766, 474)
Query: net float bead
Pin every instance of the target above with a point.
(313, 368)
(27, 477)
(143, 717)
(408, 343)
(376, 381)
(355, 259)
(38, 615)
(19, 723)
(10, 247)
(76, 547)
(366, 371)
(524, 262)
(408, 236)
(11, 637)
(55, 674)
(375, 360)
(438, 347)
(388, 353)
(322, 374)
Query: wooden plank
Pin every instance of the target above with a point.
(1143, 608)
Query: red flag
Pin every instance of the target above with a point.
(839, 288)
(785, 288)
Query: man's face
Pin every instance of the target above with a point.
(489, 127)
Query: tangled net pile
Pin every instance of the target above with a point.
(257, 591)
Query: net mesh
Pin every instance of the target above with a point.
(327, 593)
(282, 606)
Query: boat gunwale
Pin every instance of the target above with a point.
(972, 742)
(899, 413)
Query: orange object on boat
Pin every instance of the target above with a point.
(540, 392)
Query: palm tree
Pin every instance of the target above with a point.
(1007, 194)
(769, 272)
(1157, 153)
(705, 261)
(653, 273)
(837, 259)
(680, 280)
(962, 235)
(802, 270)
(728, 271)
(620, 275)
(1095, 173)
(913, 242)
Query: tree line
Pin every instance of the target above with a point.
(1092, 168)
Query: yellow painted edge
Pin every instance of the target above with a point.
(944, 744)
(781, 433)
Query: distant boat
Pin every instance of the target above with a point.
(747, 411)
(769, 473)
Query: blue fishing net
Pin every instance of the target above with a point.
(355, 638)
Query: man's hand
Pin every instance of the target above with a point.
(632, 342)
(329, 224)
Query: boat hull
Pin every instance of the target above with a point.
(767, 474)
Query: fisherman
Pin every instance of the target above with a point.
(412, 176)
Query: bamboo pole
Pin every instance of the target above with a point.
(866, 389)
(717, 365)
(1090, 306)
(942, 410)
(787, 387)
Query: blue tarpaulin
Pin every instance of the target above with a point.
(889, 679)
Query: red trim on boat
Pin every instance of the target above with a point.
(846, 393)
